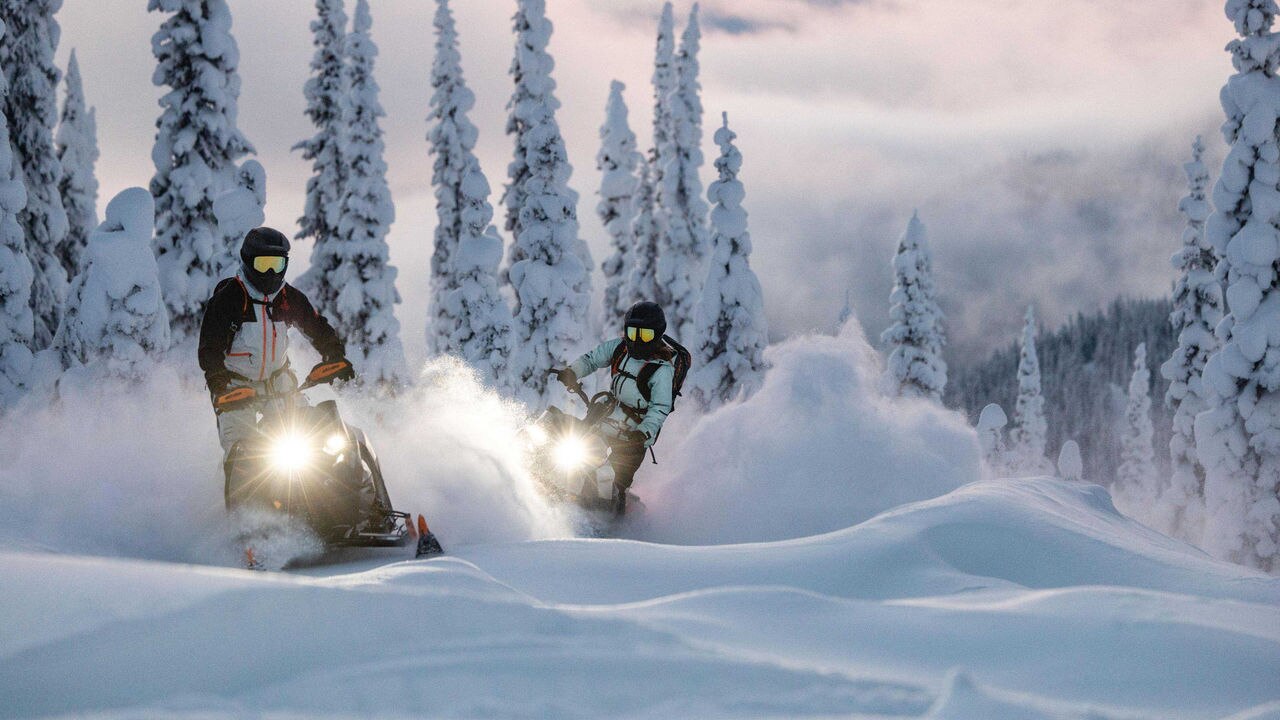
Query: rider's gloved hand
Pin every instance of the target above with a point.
(218, 381)
(568, 377)
(348, 372)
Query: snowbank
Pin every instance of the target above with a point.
(818, 448)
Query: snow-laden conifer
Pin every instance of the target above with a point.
(326, 96)
(1238, 437)
(355, 261)
(915, 339)
(991, 424)
(682, 252)
(478, 317)
(1028, 436)
(617, 162)
(1197, 310)
(26, 55)
(532, 123)
(731, 325)
(16, 321)
(642, 278)
(549, 275)
(115, 323)
(196, 149)
(1070, 464)
(1136, 489)
(77, 147)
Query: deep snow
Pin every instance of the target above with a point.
(989, 599)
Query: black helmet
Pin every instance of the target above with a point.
(644, 316)
(268, 243)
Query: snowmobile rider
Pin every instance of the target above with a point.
(244, 333)
(639, 414)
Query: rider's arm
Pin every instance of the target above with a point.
(222, 310)
(660, 403)
(304, 316)
(596, 359)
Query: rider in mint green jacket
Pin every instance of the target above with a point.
(640, 418)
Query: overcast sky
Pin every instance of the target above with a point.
(1042, 142)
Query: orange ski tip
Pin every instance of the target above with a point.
(422, 525)
(248, 556)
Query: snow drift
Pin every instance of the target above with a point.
(818, 448)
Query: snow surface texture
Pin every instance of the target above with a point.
(195, 154)
(915, 339)
(1028, 435)
(1006, 599)
(115, 323)
(26, 55)
(17, 322)
(1197, 310)
(617, 161)
(77, 148)
(550, 266)
(1238, 437)
(355, 262)
(682, 212)
(732, 328)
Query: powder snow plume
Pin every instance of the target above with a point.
(135, 471)
(818, 448)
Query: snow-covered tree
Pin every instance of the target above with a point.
(77, 147)
(26, 55)
(642, 279)
(1029, 428)
(915, 339)
(16, 320)
(355, 260)
(617, 162)
(196, 150)
(1238, 437)
(731, 325)
(475, 311)
(682, 252)
(1136, 477)
(664, 86)
(243, 207)
(533, 108)
(1070, 464)
(991, 424)
(549, 274)
(326, 96)
(1197, 310)
(115, 322)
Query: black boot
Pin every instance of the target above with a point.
(619, 500)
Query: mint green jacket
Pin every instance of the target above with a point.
(628, 392)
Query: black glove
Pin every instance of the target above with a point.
(635, 437)
(218, 382)
(568, 377)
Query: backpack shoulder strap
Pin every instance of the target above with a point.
(616, 360)
(645, 378)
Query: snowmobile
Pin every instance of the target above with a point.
(306, 464)
(571, 456)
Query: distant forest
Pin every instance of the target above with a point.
(1085, 368)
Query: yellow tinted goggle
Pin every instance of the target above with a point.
(646, 334)
(270, 262)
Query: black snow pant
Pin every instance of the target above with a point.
(625, 457)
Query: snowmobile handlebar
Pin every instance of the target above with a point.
(575, 388)
(244, 396)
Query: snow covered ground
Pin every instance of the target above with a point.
(840, 556)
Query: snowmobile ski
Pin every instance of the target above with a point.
(427, 543)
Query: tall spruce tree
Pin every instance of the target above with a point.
(1197, 310)
(642, 278)
(550, 277)
(731, 324)
(1136, 489)
(77, 147)
(915, 339)
(26, 55)
(196, 150)
(16, 321)
(682, 252)
(617, 162)
(326, 95)
(1028, 436)
(664, 86)
(355, 261)
(1238, 438)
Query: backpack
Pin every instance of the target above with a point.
(681, 359)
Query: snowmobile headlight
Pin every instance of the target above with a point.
(570, 453)
(290, 452)
(335, 444)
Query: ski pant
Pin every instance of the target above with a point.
(625, 457)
